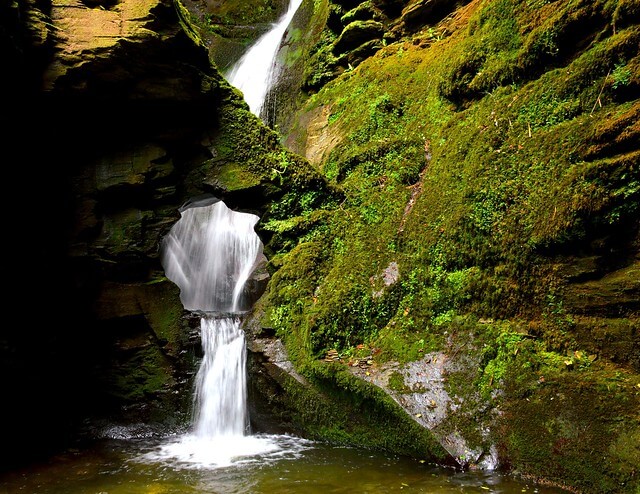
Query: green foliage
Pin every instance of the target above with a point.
(621, 76)
(548, 111)
(497, 357)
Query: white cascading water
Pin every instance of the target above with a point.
(221, 385)
(210, 254)
(254, 73)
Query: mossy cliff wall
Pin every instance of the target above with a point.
(487, 157)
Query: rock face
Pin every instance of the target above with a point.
(116, 118)
(488, 149)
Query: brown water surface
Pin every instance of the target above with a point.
(292, 466)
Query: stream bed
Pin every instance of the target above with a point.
(288, 465)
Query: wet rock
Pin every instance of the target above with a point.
(389, 276)
(423, 396)
(613, 295)
(276, 354)
(356, 34)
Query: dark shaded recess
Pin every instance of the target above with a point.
(347, 4)
(392, 8)
(38, 381)
(613, 244)
(97, 4)
(47, 356)
(268, 409)
(361, 53)
(22, 57)
(430, 12)
(115, 358)
(334, 21)
(248, 200)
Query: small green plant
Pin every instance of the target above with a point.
(621, 76)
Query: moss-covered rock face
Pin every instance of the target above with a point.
(492, 156)
(229, 28)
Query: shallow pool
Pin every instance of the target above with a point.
(266, 464)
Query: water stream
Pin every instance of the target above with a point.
(210, 254)
(133, 466)
(254, 74)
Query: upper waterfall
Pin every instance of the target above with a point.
(255, 73)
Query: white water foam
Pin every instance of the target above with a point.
(210, 253)
(195, 452)
(220, 399)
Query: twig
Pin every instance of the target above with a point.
(600, 93)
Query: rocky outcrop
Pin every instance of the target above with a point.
(356, 34)
(419, 13)
(495, 162)
(118, 118)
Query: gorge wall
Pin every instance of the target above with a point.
(115, 118)
(482, 263)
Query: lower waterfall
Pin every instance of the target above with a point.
(210, 253)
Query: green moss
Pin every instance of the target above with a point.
(138, 377)
(165, 315)
(244, 12)
(396, 383)
(478, 163)
(372, 418)
(555, 431)
(187, 23)
(235, 176)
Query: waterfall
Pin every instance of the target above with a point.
(210, 254)
(255, 73)
(221, 384)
